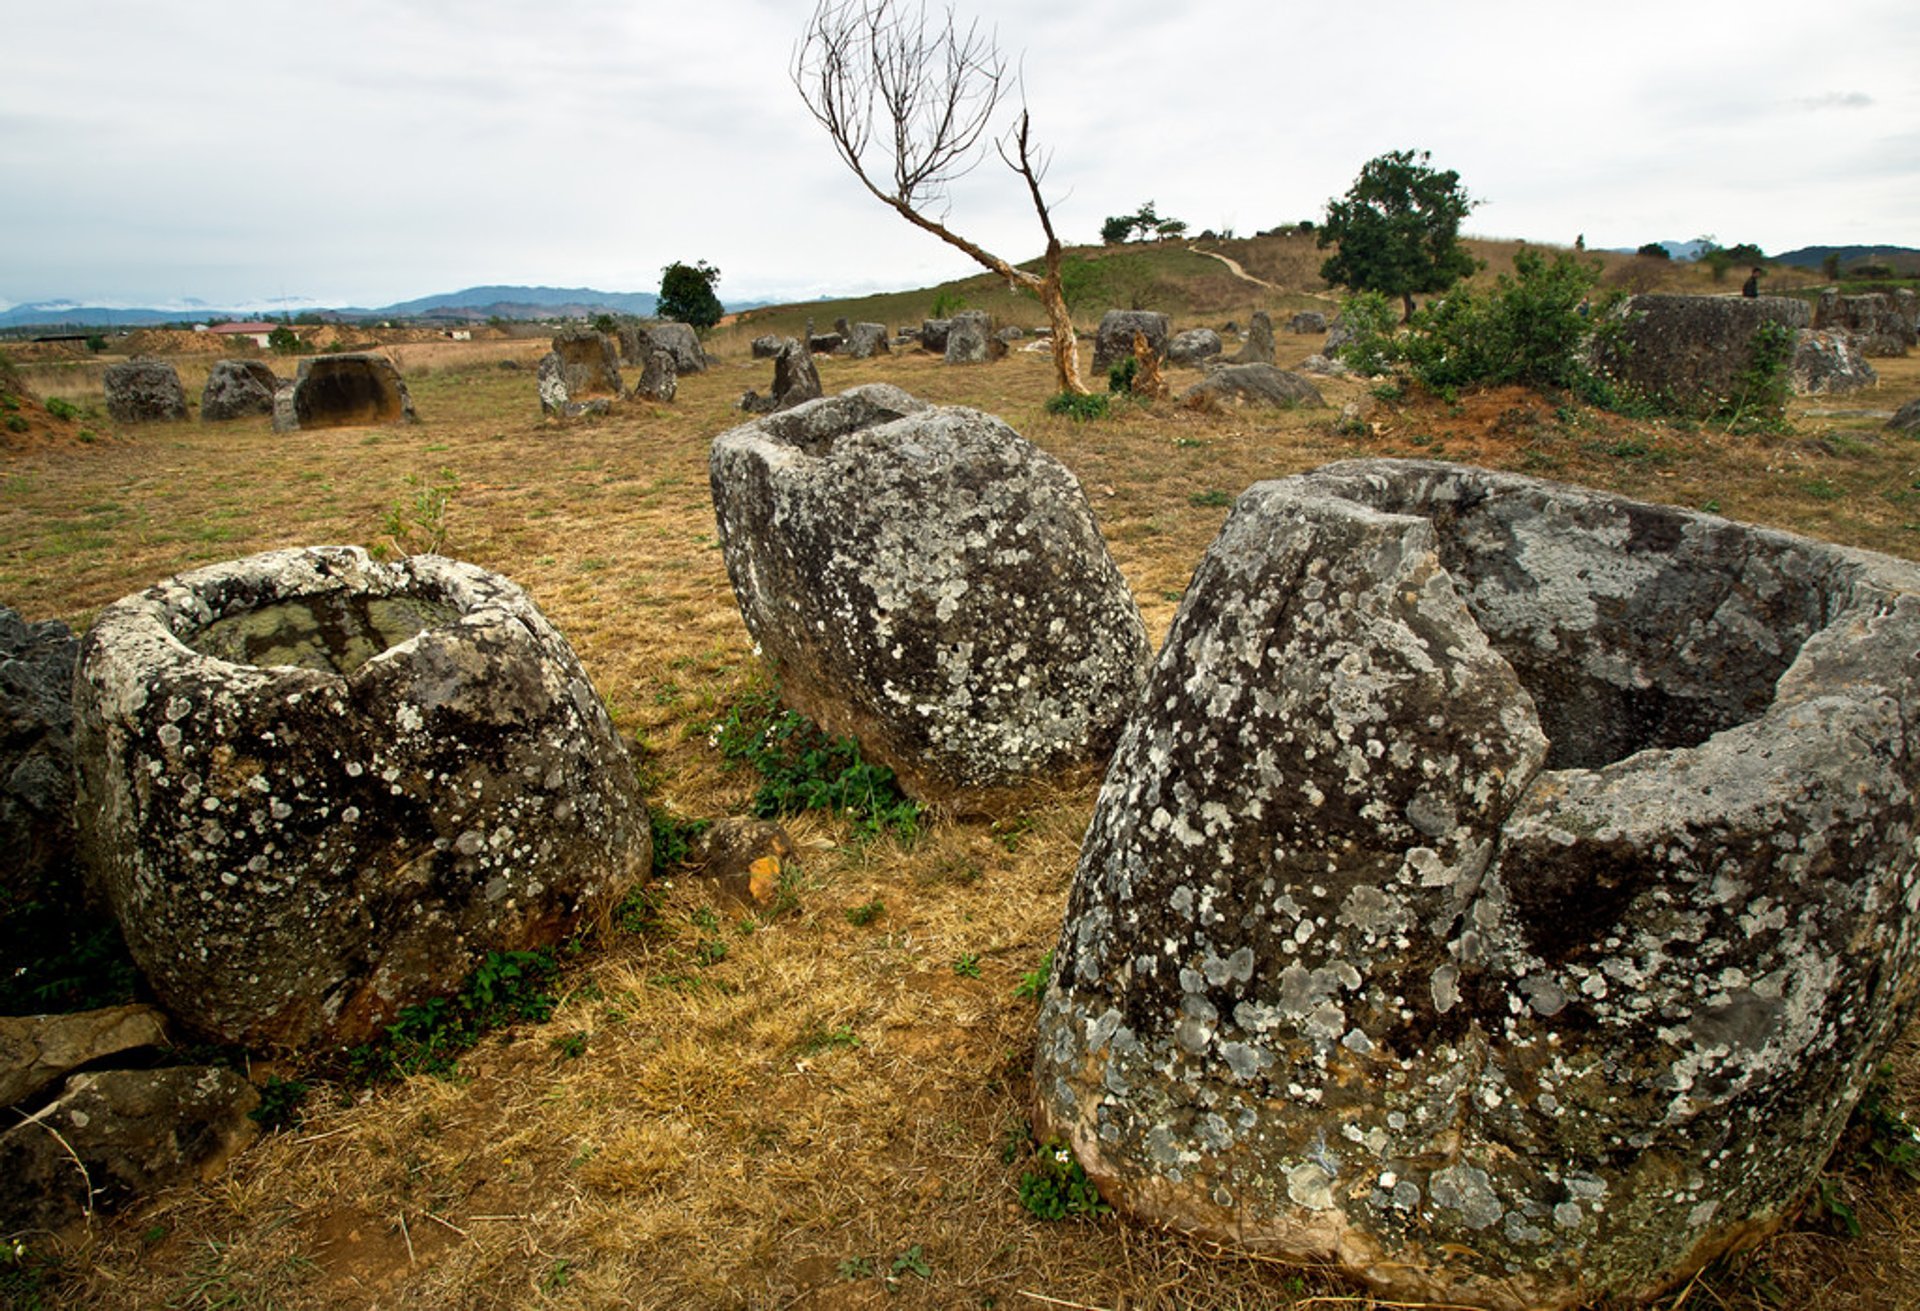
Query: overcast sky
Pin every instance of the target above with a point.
(350, 152)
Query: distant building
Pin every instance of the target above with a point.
(258, 332)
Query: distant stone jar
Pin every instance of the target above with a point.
(1505, 891)
(315, 788)
(931, 583)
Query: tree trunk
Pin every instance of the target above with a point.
(1066, 347)
(1407, 298)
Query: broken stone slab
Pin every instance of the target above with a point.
(1906, 418)
(38, 1050)
(929, 582)
(348, 391)
(824, 343)
(767, 346)
(1193, 348)
(1828, 363)
(660, 380)
(795, 380)
(933, 335)
(970, 339)
(237, 389)
(1113, 341)
(1259, 345)
(866, 340)
(315, 788)
(1255, 384)
(118, 1135)
(584, 365)
(145, 390)
(678, 340)
(1307, 323)
(1505, 892)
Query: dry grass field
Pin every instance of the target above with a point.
(733, 1110)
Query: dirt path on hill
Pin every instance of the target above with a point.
(1233, 266)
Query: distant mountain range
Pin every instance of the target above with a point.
(1904, 258)
(503, 302)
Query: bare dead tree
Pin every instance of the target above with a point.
(907, 102)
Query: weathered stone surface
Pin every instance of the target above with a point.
(1254, 384)
(36, 762)
(1686, 351)
(236, 389)
(767, 346)
(1906, 418)
(660, 380)
(824, 343)
(582, 366)
(37, 1050)
(342, 391)
(1506, 892)
(929, 582)
(145, 391)
(1259, 345)
(1193, 348)
(284, 419)
(1321, 366)
(1307, 322)
(795, 381)
(747, 858)
(970, 339)
(1880, 324)
(1828, 363)
(933, 335)
(866, 340)
(677, 339)
(315, 788)
(1339, 333)
(131, 1131)
(1114, 340)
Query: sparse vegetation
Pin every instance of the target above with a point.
(685, 1157)
(802, 768)
(1056, 1187)
(430, 1037)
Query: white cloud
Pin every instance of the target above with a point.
(367, 152)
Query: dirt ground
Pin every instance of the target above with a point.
(799, 1111)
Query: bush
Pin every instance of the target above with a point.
(1120, 375)
(1371, 349)
(62, 409)
(1080, 408)
(1760, 391)
(1530, 330)
(285, 341)
(1654, 250)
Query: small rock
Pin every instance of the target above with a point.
(36, 1050)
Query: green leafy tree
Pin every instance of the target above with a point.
(1398, 229)
(284, 340)
(686, 294)
(1654, 250)
(1117, 229)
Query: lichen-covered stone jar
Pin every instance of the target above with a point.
(1505, 890)
(315, 788)
(928, 581)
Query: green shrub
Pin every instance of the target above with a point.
(285, 341)
(1758, 401)
(63, 409)
(429, 1038)
(15, 423)
(1120, 375)
(1079, 408)
(1057, 1186)
(1371, 349)
(803, 768)
(1529, 330)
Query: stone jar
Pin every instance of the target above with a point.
(928, 581)
(315, 788)
(1505, 891)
